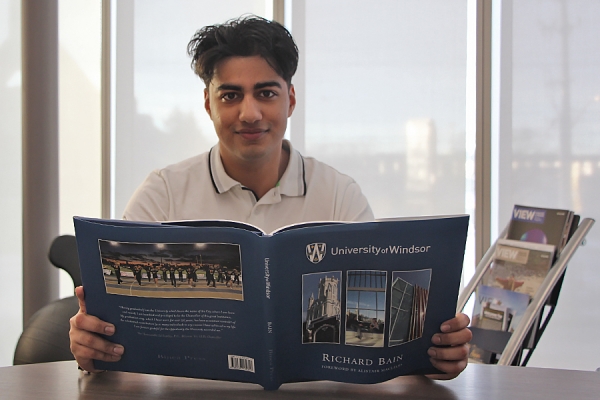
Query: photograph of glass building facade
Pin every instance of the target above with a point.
(365, 308)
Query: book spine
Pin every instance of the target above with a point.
(271, 379)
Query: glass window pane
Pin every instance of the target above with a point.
(367, 300)
(352, 299)
(549, 149)
(385, 99)
(11, 261)
(380, 300)
(160, 117)
(368, 314)
(80, 143)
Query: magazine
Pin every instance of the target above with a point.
(348, 302)
(519, 266)
(498, 309)
(540, 225)
(495, 309)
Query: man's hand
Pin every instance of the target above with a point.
(86, 345)
(451, 359)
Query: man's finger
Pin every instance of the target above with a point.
(88, 345)
(452, 368)
(90, 323)
(80, 298)
(456, 353)
(452, 339)
(460, 321)
(88, 353)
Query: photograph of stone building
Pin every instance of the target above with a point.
(321, 295)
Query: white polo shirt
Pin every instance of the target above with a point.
(199, 188)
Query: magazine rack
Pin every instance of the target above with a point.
(524, 339)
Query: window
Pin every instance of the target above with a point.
(158, 105)
(11, 291)
(548, 146)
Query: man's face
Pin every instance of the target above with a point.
(249, 104)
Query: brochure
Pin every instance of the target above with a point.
(519, 266)
(498, 309)
(540, 225)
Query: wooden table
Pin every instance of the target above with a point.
(62, 380)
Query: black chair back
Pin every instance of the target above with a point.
(63, 254)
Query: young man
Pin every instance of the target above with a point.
(252, 175)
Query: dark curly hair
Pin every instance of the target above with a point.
(245, 36)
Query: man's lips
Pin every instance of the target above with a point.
(251, 133)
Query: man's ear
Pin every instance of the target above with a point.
(207, 102)
(292, 94)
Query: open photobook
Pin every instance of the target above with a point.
(349, 302)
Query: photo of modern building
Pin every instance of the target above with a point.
(410, 292)
(365, 308)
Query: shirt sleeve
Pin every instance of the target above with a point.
(150, 201)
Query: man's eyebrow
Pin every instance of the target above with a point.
(228, 86)
(262, 85)
(258, 86)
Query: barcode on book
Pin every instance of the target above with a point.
(241, 363)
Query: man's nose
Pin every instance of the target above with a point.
(250, 111)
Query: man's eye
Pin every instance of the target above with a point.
(267, 94)
(229, 96)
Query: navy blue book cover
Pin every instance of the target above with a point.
(352, 302)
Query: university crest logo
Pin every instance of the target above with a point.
(315, 252)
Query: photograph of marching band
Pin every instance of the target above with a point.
(408, 308)
(321, 309)
(365, 308)
(172, 270)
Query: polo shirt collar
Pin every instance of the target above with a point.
(292, 183)
(221, 181)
